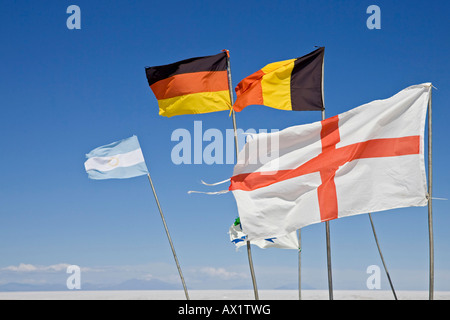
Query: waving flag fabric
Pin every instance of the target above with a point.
(118, 160)
(364, 160)
(191, 86)
(295, 84)
(239, 238)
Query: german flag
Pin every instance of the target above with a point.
(191, 86)
(295, 84)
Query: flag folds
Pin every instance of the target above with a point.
(368, 159)
(191, 86)
(118, 160)
(295, 84)
(239, 238)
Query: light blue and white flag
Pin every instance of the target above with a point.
(118, 160)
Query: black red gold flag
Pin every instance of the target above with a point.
(191, 86)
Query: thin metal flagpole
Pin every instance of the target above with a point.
(249, 250)
(430, 210)
(330, 279)
(327, 231)
(168, 236)
(299, 264)
(327, 223)
(381, 255)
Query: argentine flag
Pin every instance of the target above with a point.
(118, 160)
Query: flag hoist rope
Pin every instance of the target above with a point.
(249, 252)
(168, 236)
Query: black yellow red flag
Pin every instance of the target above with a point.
(295, 84)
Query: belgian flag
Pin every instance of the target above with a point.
(295, 84)
(191, 86)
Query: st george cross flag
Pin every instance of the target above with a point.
(118, 160)
(239, 238)
(368, 159)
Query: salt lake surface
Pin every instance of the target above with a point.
(221, 295)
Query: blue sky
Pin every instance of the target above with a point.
(65, 92)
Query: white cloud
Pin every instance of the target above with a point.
(21, 268)
(56, 267)
(222, 273)
(212, 277)
(24, 267)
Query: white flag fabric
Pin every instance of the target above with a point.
(118, 160)
(239, 238)
(368, 159)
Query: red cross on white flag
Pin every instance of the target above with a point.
(368, 159)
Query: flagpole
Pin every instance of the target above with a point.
(381, 255)
(330, 280)
(327, 224)
(249, 250)
(327, 231)
(430, 210)
(299, 265)
(168, 236)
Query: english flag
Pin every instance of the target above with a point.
(368, 159)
